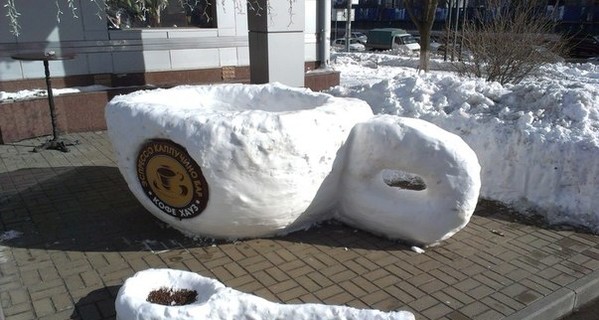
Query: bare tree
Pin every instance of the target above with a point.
(508, 40)
(423, 16)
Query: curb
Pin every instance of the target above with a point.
(563, 301)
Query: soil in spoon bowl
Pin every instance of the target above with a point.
(172, 297)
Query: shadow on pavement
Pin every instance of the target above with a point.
(496, 210)
(80, 209)
(90, 208)
(98, 304)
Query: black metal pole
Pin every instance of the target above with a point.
(51, 101)
(347, 25)
(448, 27)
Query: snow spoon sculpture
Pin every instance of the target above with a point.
(215, 302)
(241, 161)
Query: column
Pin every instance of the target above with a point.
(276, 40)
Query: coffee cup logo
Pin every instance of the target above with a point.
(171, 179)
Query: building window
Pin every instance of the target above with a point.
(128, 14)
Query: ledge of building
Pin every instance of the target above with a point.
(84, 111)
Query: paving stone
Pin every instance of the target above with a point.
(474, 309)
(62, 301)
(291, 265)
(414, 291)
(388, 304)
(457, 315)
(424, 303)
(328, 292)
(489, 315)
(222, 273)
(384, 281)
(318, 278)
(250, 287)
(396, 292)
(300, 271)
(433, 286)
(254, 264)
(61, 268)
(16, 309)
(276, 273)
(287, 285)
(445, 277)
(43, 307)
(239, 281)
(497, 305)
(27, 315)
(437, 311)
(310, 298)
(59, 315)
(293, 293)
(274, 258)
(453, 296)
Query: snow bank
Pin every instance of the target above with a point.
(215, 301)
(537, 142)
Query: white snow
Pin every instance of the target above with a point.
(6, 96)
(10, 234)
(215, 302)
(276, 160)
(407, 149)
(265, 151)
(537, 141)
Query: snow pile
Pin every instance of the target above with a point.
(537, 141)
(41, 93)
(215, 301)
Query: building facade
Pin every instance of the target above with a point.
(572, 15)
(124, 45)
(129, 45)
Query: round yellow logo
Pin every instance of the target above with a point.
(171, 179)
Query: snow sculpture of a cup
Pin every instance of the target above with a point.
(232, 161)
(408, 179)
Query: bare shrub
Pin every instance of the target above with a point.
(508, 40)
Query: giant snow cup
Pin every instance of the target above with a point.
(232, 161)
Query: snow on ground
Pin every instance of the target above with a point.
(9, 235)
(42, 93)
(6, 236)
(537, 141)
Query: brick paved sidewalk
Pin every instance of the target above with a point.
(83, 234)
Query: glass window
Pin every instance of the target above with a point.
(126, 14)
